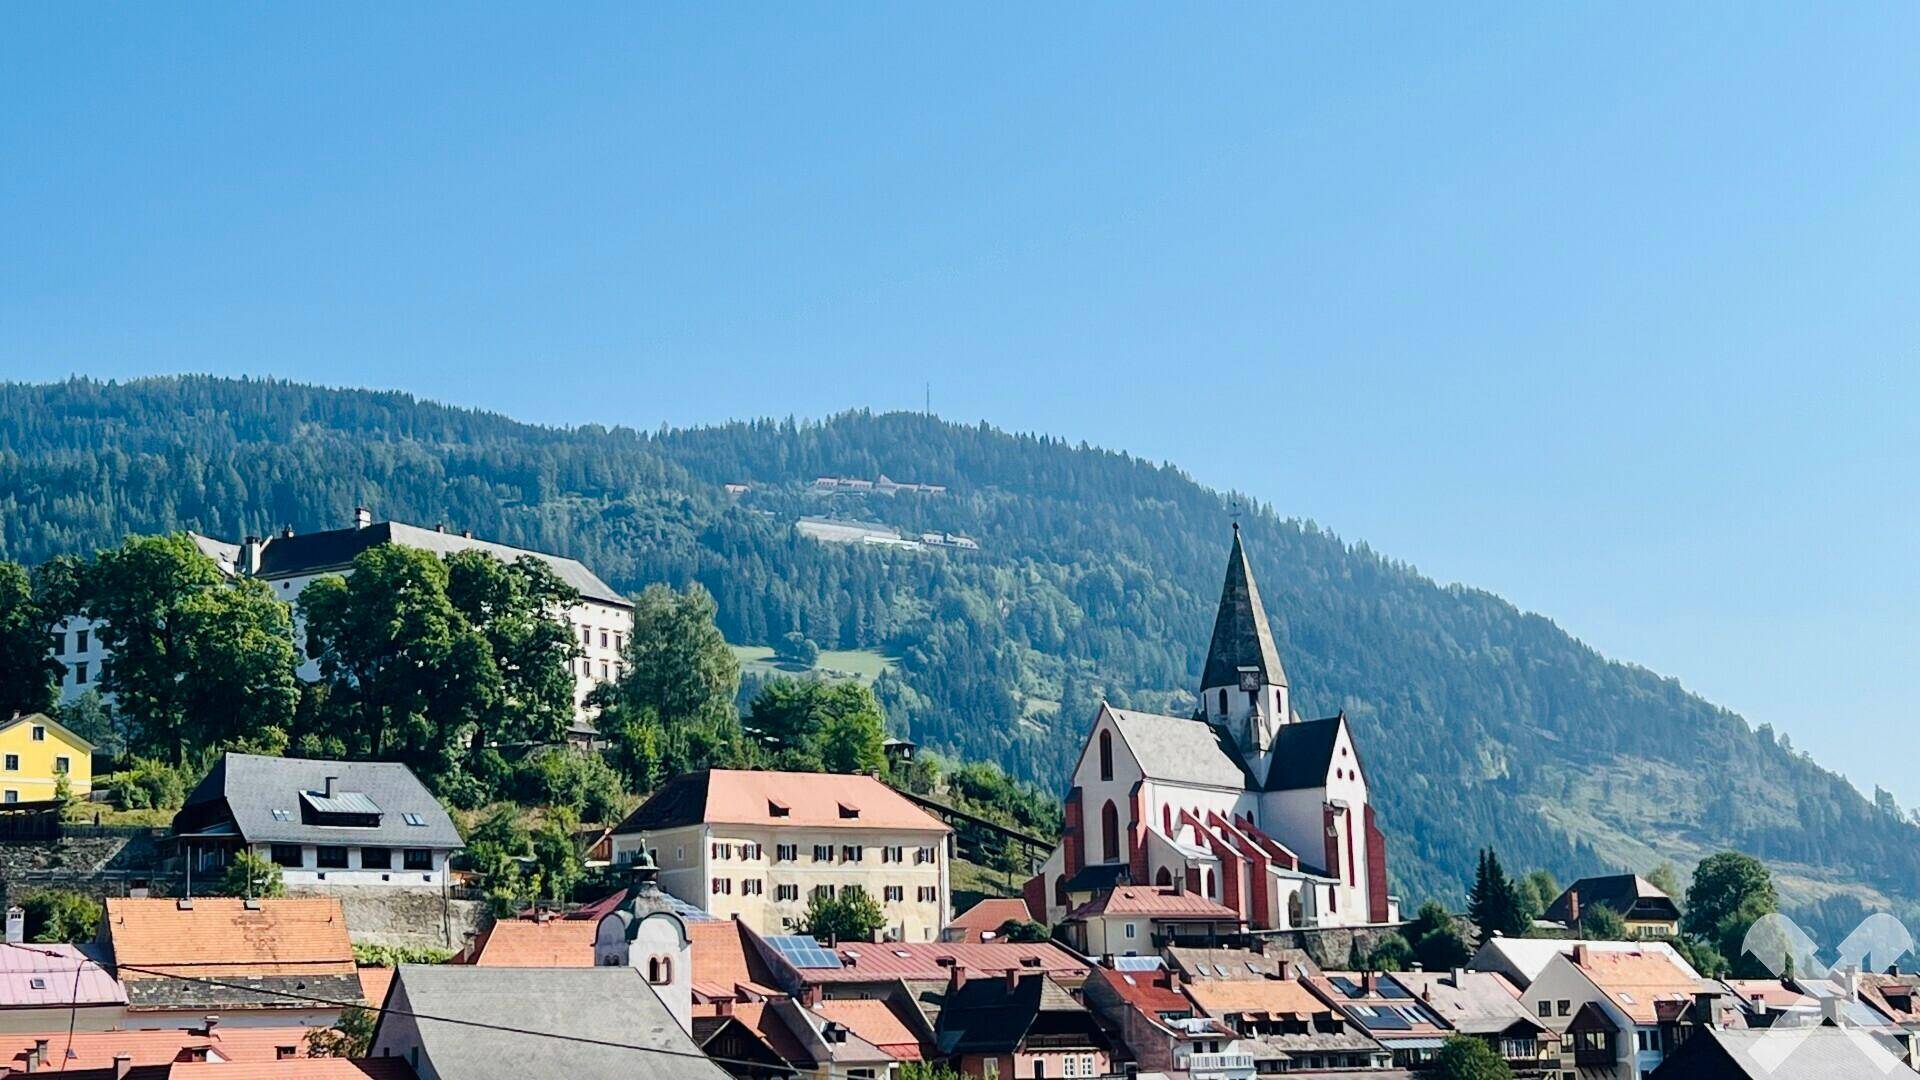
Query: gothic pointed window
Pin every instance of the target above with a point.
(1211, 891)
(1164, 878)
(1166, 818)
(1110, 831)
(1223, 703)
(1106, 755)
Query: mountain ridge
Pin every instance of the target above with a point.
(1097, 577)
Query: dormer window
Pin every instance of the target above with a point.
(776, 808)
(849, 811)
(340, 809)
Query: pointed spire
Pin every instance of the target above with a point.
(1241, 637)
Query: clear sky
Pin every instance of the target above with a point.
(1609, 309)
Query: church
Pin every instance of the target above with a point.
(1244, 803)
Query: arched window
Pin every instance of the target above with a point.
(1166, 818)
(1106, 755)
(1164, 878)
(1060, 890)
(660, 970)
(1294, 914)
(1223, 703)
(1210, 889)
(1110, 831)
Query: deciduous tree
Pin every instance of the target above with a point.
(29, 675)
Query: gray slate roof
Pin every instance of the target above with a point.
(611, 1004)
(334, 549)
(1241, 636)
(1820, 1053)
(246, 789)
(1303, 753)
(1186, 751)
(241, 992)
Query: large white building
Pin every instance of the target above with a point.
(1244, 803)
(757, 846)
(602, 619)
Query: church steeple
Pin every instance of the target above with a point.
(1243, 686)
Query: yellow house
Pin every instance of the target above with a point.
(34, 751)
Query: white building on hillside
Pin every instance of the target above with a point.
(1244, 804)
(603, 618)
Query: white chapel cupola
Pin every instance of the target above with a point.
(1243, 688)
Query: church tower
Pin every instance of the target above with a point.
(1243, 688)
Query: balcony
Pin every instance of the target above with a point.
(1201, 1063)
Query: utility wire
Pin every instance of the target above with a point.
(380, 1009)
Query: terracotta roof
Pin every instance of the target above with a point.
(44, 976)
(530, 944)
(1635, 981)
(723, 959)
(1147, 991)
(373, 984)
(1773, 993)
(803, 800)
(887, 961)
(986, 917)
(296, 1068)
(874, 1021)
(1156, 903)
(220, 936)
(95, 1049)
(1277, 997)
(774, 1032)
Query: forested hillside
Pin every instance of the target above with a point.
(1096, 574)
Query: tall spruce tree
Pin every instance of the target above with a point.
(1494, 903)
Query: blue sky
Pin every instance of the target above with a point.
(1610, 309)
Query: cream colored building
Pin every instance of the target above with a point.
(759, 845)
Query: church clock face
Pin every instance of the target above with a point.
(1249, 681)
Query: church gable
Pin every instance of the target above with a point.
(1304, 754)
(1179, 751)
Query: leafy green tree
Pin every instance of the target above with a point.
(1494, 903)
(582, 784)
(1665, 878)
(672, 709)
(1730, 891)
(818, 725)
(1391, 953)
(517, 608)
(61, 915)
(1601, 923)
(1463, 1057)
(29, 675)
(253, 875)
(351, 1036)
(195, 659)
(852, 915)
(1023, 930)
(1436, 939)
(797, 648)
(556, 855)
(87, 716)
(928, 1070)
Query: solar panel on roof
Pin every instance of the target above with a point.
(1345, 985)
(1383, 1020)
(1138, 963)
(1392, 990)
(803, 951)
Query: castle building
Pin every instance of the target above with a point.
(1243, 803)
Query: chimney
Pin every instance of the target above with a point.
(1285, 969)
(1366, 982)
(1013, 979)
(1580, 954)
(362, 517)
(1459, 976)
(33, 1059)
(16, 925)
(723, 1007)
(1706, 1005)
(41, 1052)
(809, 995)
(959, 977)
(1573, 910)
(467, 533)
(122, 1062)
(439, 526)
(327, 789)
(286, 532)
(207, 1025)
(1833, 1010)
(250, 556)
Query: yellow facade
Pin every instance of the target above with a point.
(34, 751)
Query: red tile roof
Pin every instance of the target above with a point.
(1156, 903)
(795, 799)
(373, 984)
(296, 1068)
(1147, 991)
(724, 959)
(876, 1022)
(525, 943)
(96, 1049)
(986, 917)
(221, 937)
(935, 960)
(1636, 981)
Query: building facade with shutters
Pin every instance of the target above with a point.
(760, 845)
